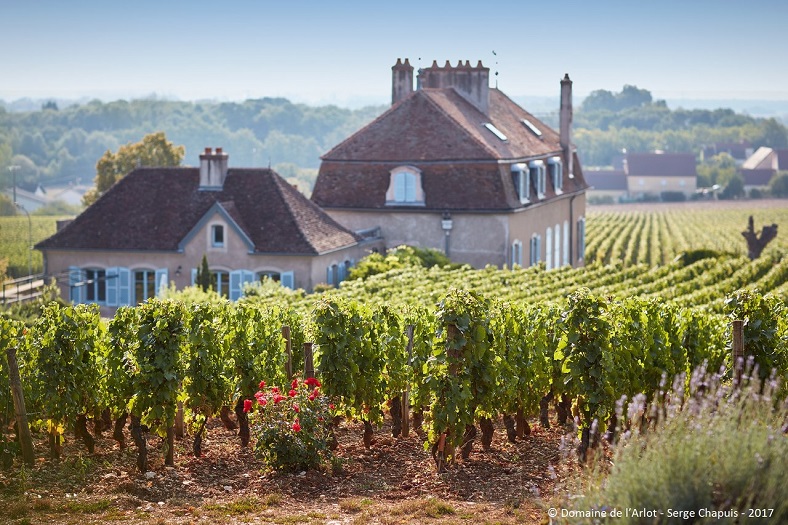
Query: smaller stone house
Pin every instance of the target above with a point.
(652, 174)
(154, 226)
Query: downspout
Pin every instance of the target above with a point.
(572, 229)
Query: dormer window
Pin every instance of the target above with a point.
(217, 236)
(405, 187)
(522, 182)
(556, 173)
(538, 175)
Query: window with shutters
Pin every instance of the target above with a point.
(405, 187)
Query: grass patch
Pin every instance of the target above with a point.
(88, 507)
(723, 449)
(236, 507)
(354, 505)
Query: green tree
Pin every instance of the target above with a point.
(203, 279)
(153, 150)
(778, 186)
(734, 189)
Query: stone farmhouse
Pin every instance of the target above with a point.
(153, 227)
(458, 166)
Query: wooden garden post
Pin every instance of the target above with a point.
(17, 393)
(309, 364)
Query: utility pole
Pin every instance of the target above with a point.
(13, 169)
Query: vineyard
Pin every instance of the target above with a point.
(15, 233)
(462, 351)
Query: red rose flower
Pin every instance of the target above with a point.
(312, 381)
(277, 398)
(296, 408)
(262, 402)
(292, 393)
(274, 390)
(311, 397)
(296, 426)
(316, 393)
(331, 406)
(294, 384)
(262, 385)
(247, 405)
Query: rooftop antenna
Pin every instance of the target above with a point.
(496, 68)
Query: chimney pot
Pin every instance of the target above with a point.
(218, 151)
(207, 151)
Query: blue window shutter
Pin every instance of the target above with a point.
(194, 276)
(124, 287)
(235, 285)
(329, 275)
(287, 280)
(246, 277)
(75, 276)
(112, 286)
(161, 279)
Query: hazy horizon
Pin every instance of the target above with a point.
(342, 54)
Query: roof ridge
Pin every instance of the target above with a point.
(362, 129)
(278, 180)
(456, 122)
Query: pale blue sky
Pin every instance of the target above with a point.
(342, 51)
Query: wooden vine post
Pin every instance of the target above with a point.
(309, 364)
(25, 438)
(406, 393)
(738, 350)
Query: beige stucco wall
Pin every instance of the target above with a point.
(235, 255)
(638, 185)
(478, 239)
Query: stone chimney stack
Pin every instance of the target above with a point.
(565, 129)
(401, 80)
(472, 82)
(213, 169)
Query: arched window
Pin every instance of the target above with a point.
(537, 170)
(517, 253)
(405, 187)
(556, 173)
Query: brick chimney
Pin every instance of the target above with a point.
(472, 82)
(565, 119)
(401, 80)
(213, 169)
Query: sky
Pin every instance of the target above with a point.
(341, 52)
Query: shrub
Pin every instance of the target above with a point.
(673, 196)
(715, 452)
(292, 428)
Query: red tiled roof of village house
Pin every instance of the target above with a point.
(156, 208)
(464, 165)
(441, 125)
(607, 179)
(661, 164)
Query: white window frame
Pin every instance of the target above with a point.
(405, 187)
(521, 177)
(538, 174)
(517, 253)
(536, 249)
(581, 238)
(566, 244)
(557, 172)
(218, 228)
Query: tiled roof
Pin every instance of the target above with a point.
(661, 164)
(609, 180)
(156, 208)
(463, 164)
(440, 125)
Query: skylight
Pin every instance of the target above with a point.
(530, 125)
(497, 132)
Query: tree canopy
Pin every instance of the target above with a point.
(153, 150)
